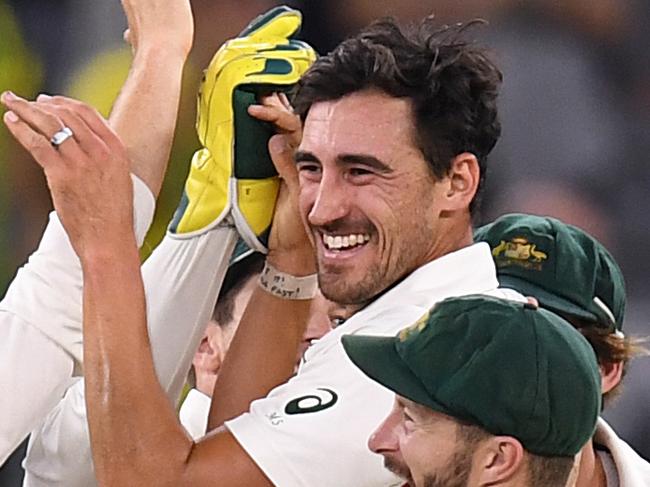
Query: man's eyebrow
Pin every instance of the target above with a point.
(304, 156)
(363, 159)
(366, 160)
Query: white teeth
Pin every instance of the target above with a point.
(345, 241)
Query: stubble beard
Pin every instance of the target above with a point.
(376, 279)
(336, 289)
(455, 475)
(398, 468)
(381, 274)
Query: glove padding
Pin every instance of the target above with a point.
(233, 172)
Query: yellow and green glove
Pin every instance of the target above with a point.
(233, 172)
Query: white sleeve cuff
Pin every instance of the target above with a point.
(194, 413)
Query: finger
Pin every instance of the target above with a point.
(128, 11)
(83, 142)
(127, 36)
(41, 121)
(278, 100)
(532, 300)
(283, 120)
(93, 119)
(34, 142)
(272, 99)
(285, 101)
(282, 156)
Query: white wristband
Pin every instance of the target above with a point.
(286, 286)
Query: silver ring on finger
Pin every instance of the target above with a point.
(60, 137)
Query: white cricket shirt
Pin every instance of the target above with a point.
(632, 470)
(313, 430)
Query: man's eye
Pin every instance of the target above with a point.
(308, 167)
(359, 171)
(337, 321)
(406, 416)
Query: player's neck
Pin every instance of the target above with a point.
(591, 472)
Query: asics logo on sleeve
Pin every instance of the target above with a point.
(312, 403)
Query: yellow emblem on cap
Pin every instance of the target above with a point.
(518, 251)
(416, 327)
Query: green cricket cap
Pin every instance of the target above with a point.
(565, 268)
(508, 367)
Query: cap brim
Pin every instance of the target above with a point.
(546, 299)
(379, 360)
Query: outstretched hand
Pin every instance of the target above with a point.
(288, 239)
(166, 24)
(88, 173)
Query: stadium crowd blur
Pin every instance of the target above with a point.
(575, 109)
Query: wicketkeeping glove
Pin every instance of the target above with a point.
(233, 173)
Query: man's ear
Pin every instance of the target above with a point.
(611, 374)
(463, 179)
(210, 353)
(499, 459)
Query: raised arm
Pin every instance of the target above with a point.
(145, 112)
(161, 35)
(268, 335)
(114, 320)
(91, 189)
(41, 313)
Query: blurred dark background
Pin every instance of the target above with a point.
(575, 109)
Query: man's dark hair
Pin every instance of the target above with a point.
(237, 276)
(451, 83)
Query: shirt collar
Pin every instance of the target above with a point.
(469, 270)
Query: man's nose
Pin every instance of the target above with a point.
(332, 200)
(384, 438)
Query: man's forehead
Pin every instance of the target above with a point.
(357, 122)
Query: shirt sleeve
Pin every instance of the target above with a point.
(194, 413)
(47, 291)
(314, 429)
(29, 389)
(59, 454)
(182, 278)
(41, 324)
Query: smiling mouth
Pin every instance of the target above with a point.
(344, 242)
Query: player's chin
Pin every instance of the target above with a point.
(399, 469)
(350, 286)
